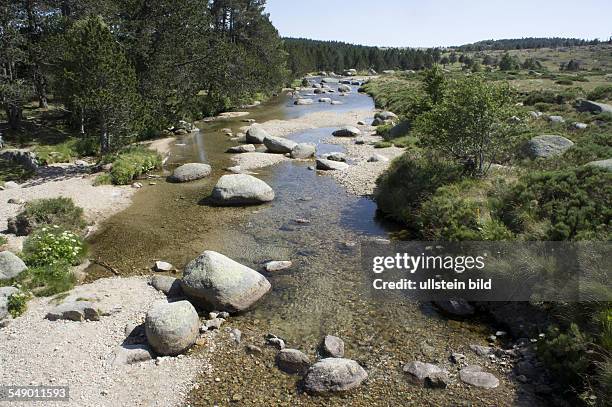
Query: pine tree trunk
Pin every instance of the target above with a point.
(41, 88)
(82, 119)
(104, 139)
(14, 115)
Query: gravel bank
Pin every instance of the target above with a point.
(360, 178)
(69, 181)
(283, 128)
(36, 351)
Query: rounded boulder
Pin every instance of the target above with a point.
(172, 328)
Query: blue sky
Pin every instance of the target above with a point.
(423, 23)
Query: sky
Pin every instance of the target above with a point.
(423, 23)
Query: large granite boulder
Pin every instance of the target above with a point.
(329, 165)
(594, 107)
(191, 172)
(219, 283)
(348, 131)
(172, 328)
(334, 375)
(11, 266)
(605, 164)
(546, 146)
(303, 150)
(279, 145)
(241, 189)
(256, 135)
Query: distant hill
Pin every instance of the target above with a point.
(526, 43)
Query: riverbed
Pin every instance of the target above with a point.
(325, 292)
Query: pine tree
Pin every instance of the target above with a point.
(99, 84)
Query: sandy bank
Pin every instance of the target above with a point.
(36, 351)
(62, 180)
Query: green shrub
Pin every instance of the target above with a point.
(566, 82)
(61, 212)
(569, 204)
(383, 129)
(450, 216)
(57, 153)
(132, 163)
(103, 179)
(52, 245)
(51, 279)
(3, 240)
(590, 147)
(565, 355)
(383, 144)
(605, 117)
(17, 304)
(495, 230)
(601, 93)
(408, 182)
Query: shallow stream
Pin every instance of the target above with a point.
(325, 292)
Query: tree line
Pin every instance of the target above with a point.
(306, 55)
(527, 43)
(123, 67)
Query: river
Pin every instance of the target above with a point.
(325, 292)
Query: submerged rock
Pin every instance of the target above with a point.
(241, 189)
(172, 328)
(273, 266)
(332, 346)
(244, 148)
(292, 361)
(191, 172)
(334, 375)
(474, 376)
(418, 371)
(457, 307)
(219, 282)
(302, 102)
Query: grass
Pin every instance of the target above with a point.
(11, 172)
(3, 241)
(132, 163)
(61, 212)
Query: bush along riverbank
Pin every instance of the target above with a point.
(53, 247)
(484, 162)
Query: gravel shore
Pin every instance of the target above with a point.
(70, 181)
(360, 178)
(36, 351)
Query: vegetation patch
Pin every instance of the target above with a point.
(570, 204)
(53, 245)
(132, 163)
(60, 212)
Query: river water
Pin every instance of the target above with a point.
(325, 292)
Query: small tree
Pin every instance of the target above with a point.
(434, 83)
(472, 124)
(508, 63)
(99, 84)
